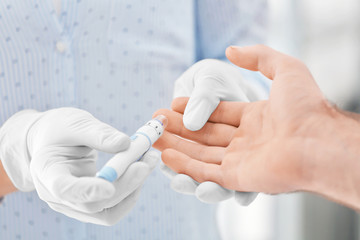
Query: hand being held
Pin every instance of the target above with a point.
(206, 83)
(291, 142)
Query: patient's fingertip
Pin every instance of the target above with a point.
(161, 111)
(179, 104)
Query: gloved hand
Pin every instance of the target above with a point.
(207, 83)
(54, 153)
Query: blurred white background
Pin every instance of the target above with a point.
(325, 34)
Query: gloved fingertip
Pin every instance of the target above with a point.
(199, 109)
(193, 123)
(112, 143)
(94, 189)
(122, 141)
(142, 171)
(166, 170)
(184, 184)
(245, 198)
(210, 192)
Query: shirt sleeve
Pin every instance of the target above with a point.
(220, 24)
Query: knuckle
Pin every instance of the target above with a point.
(205, 176)
(165, 156)
(208, 134)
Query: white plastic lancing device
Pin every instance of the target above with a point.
(141, 142)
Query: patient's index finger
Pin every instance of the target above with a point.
(213, 134)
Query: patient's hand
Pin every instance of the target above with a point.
(294, 141)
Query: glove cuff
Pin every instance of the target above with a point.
(14, 151)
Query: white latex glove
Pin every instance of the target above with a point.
(54, 152)
(207, 83)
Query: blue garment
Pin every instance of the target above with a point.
(118, 60)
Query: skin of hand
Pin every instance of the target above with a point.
(206, 83)
(295, 141)
(6, 185)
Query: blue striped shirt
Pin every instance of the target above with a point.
(118, 60)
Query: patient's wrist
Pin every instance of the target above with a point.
(335, 164)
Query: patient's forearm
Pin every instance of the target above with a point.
(6, 185)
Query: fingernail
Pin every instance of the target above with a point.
(233, 47)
